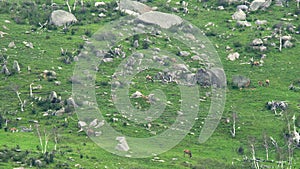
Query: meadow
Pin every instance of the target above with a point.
(255, 124)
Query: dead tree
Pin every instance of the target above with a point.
(255, 163)
(30, 90)
(15, 88)
(280, 39)
(266, 145)
(40, 137)
(55, 135)
(46, 140)
(254, 160)
(67, 3)
(234, 116)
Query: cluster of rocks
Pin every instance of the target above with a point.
(277, 105)
(258, 44)
(16, 68)
(93, 128)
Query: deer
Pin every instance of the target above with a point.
(187, 152)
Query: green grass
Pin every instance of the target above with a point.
(220, 151)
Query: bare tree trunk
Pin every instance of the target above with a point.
(67, 3)
(40, 137)
(255, 163)
(233, 125)
(46, 141)
(266, 146)
(55, 138)
(30, 90)
(21, 103)
(280, 40)
(74, 6)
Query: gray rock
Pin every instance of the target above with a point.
(71, 102)
(105, 60)
(136, 94)
(28, 44)
(81, 124)
(233, 56)
(266, 4)
(97, 4)
(182, 67)
(16, 66)
(53, 96)
(136, 44)
(220, 7)
(196, 58)
(163, 20)
(93, 123)
(61, 18)
(12, 45)
(5, 70)
(208, 77)
(239, 15)
(184, 53)
(256, 4)
(129, 5)
(261, 22)
(242, 7)
(279, 3)
(257, 42)
(243, 23)
(288, 44)
(122, 145)
(285, 38)
(240, 81)
(2, 34)
(60, 112)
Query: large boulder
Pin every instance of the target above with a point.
(163, 20)
(256, 4)
(61, 18)
(240, 81)
(129, 5)
(208, 77)
(122, 145)
(239, 15)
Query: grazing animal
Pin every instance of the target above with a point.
(13, 130)
(148, 77)
(255, 63)
(187, 152)
(260, 83)
(267, 82)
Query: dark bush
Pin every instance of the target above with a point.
(88, 33)
(237, 44)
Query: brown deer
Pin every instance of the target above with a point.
(267, 82)
(13, 130)
(187, 152)
(149, 78)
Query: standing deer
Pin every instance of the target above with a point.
(187, 152)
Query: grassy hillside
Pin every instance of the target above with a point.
(255, 124)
